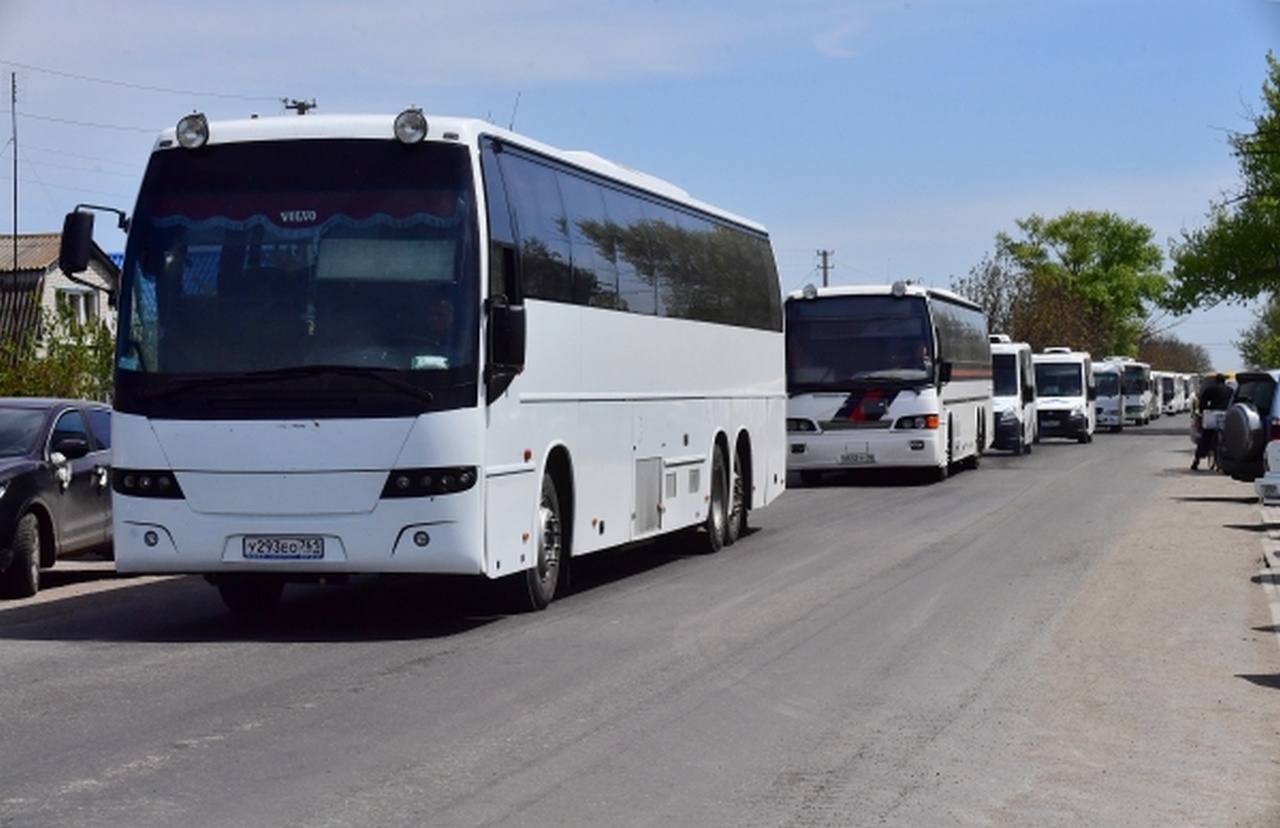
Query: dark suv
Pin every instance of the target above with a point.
(1250, 423)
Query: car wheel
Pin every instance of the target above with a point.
(22, 578)
(1242, 437)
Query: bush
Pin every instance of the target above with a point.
(68, 360)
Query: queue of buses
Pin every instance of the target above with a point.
(401, 344)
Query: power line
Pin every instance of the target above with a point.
(137, 86)
(68, 121)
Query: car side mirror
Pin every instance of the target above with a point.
(69, 448)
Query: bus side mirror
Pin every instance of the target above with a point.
(944, 371)
(77, 242)
(507, 338)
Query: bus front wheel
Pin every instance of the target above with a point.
(542, 578)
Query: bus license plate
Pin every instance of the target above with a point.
(283, 547)
(857, 458)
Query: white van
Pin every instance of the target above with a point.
(1014, 395)
(1065, 394)
(1109, 403)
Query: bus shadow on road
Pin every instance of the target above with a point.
(1271, 681)
(367, 608)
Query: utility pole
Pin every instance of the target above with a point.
(13, 115)
(826, 264)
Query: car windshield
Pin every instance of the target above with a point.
(20, 431)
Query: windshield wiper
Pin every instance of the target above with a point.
(382, 375)
(386, 376)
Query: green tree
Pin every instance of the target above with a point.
(1236, 256)
(1097, 267)
(1259, 344)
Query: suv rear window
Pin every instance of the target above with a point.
(1257, 390)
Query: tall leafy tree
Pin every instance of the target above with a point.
(1235, 257)
(1090, 277)
(1259, 344)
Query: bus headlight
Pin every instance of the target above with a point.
(916, 423)
(1009, 415)
(800, 424)
(429, 482)
(411, 126)
(193, 131)
(154, 483)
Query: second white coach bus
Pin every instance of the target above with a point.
(381, 344)
(886, 376)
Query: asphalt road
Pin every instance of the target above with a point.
(1081, 636)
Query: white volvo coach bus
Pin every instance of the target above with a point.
(886, 376)
(366, 344)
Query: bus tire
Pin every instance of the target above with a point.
(736, 525)
(541, 579)
(974, 460)
(718, 505)
(246, 594)
(22, 578)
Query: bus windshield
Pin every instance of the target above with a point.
(1108, 383)
(266, 257)
(1133, 381)
(1059, 379)
(1005, 375)
(850, 339)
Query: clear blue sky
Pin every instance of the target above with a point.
(902, 136)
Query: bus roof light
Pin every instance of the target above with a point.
(193, 131)
(411, 126)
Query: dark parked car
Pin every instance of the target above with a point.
(55, 486)
(1250, 423)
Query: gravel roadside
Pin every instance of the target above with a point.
(1157, 699)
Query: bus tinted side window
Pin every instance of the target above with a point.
(591, 242)
(534, 190)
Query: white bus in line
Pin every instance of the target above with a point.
(377, 344)
(1109, 405)
(886, 376)
(1135, 390)
(1065, 394)
(1013, 395)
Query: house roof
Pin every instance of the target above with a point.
(36, 251)
(39, 251)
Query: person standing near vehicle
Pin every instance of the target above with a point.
(1215, 395)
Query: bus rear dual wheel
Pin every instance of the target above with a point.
(727, 508)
